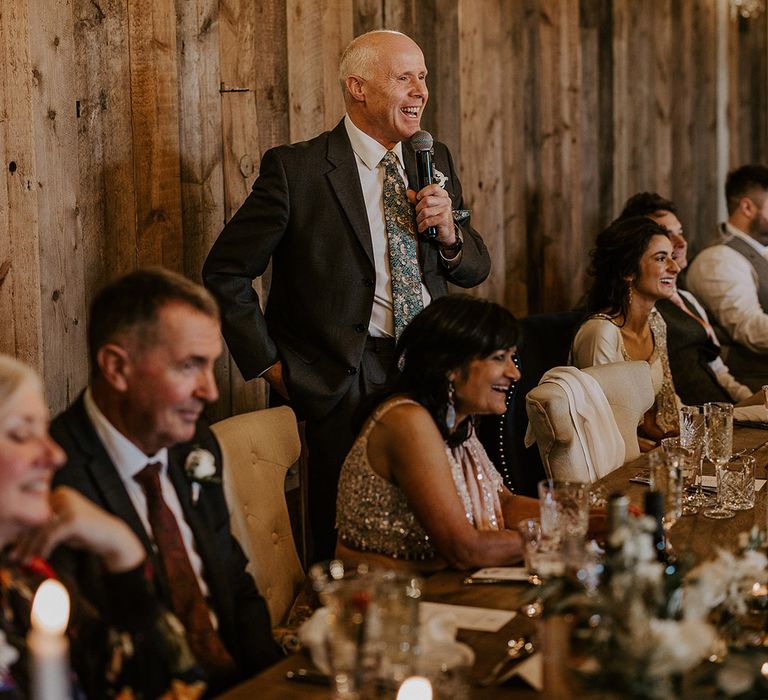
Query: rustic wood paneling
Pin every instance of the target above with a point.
(107, 199)
(200, 129)
(513, 60)
(316, 36)
(481, 131)
(155, 121)
(20, 304)
(52, 52)
(135, 129)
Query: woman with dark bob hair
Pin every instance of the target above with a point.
(417, 486)
(632, 268)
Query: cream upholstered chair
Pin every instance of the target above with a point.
(627, 387)
(258, 448)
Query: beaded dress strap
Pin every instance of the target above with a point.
(382, 410)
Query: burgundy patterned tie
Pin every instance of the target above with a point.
(186, 597)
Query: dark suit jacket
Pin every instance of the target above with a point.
(307, 214)
(244, 623)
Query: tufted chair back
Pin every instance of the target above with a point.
(258, 448)
(628, 388)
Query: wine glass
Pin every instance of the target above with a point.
(718, 418)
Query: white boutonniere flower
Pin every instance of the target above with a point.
(439, 178)
(200, 468)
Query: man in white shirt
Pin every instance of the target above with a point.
(154, 337)
(731, 278)
(321, 213)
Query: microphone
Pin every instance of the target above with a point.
(421, 143)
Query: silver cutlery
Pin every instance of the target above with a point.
(517, 650)
(308, 675)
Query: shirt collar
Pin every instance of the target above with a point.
(368, 149)
(125, 455)
(738, 233)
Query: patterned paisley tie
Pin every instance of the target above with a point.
(186, 597)
(401, 237)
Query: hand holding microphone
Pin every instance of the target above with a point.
(433, 207)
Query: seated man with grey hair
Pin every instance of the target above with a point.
(132, 438)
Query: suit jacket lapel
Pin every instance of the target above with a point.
(105, 477)
(345, 181)
(108, 484)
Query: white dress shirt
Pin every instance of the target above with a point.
(726, 282)
(368, 155)
(129, 460)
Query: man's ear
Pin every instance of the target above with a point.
(355, 89)
(114, 364)
(747, 207)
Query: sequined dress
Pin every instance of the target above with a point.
(373, 514)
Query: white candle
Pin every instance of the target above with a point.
(47, 644)
(415, 688)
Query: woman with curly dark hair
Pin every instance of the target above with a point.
(417, 486)
(632, 268)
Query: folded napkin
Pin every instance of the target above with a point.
(437, 641)
(751, 414)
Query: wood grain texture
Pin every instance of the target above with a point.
(481, 132)
(200, 129)
(107, 201)
(61, 260)
(316, 36)
(155, 123)
(20, 302)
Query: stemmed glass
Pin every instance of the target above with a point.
(692, 437)
(718, 418)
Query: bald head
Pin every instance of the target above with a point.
(384, 81)
(362, 53)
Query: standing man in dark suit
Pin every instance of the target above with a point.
(132, 440)
(338, 218)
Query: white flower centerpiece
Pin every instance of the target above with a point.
(648, 622)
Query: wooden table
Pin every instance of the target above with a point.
(697, 534)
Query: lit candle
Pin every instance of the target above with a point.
(415, 688)
(759, 596)
(47, 644)
(764, 669)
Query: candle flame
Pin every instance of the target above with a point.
(50, 608)
(764, 669)
(415, 688)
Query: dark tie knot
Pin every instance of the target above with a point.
(149, 477)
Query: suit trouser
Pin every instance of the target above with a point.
(330, 438)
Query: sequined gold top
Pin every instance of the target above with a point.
(372, 514)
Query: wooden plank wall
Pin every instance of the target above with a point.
(131, 130)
